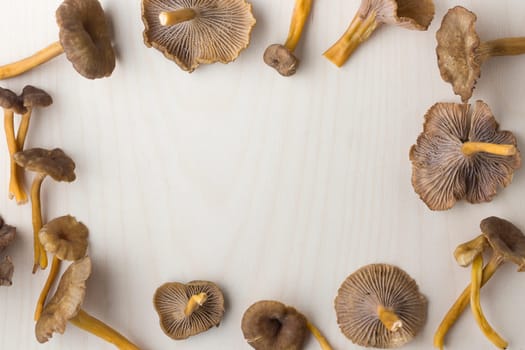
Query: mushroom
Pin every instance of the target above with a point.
(281, 57)
(66, 238)
(31, 98)
(409, 14)
(60, 167)
(461, 53)
(188, 309)
(84, 37)
(66, 305)
(462, 154)
(191, 32)
(7, 235)
(507, 243)
(271, 325)
(380, 306)
(6, 272)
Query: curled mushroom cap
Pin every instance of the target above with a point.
(6, 272)
(54, 163)
(506, 240)
(65, 237)
(191, 32)
(10, 101)
(188, 309)
(380, 306)
(462, 154)
(7, 234)
(34, 97)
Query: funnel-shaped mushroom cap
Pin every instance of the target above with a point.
(283, 60)
(6, 272)
(442, 173)
(171, 299)
(66, 302)
(219, 32)
(54, 163)
(65, 237)
(35, 97)
(456, 51)
(506, 240)
(7, 234)
(410, 14)
(9, 100)
(85, 36)
(374, 286)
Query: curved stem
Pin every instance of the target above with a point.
(175, 17)
(323, 342)
(40, 256)
(94, 326)
(22, 66)
(194, 303)
(15, 188)
(389, 319)
(470, 148)
(501, 47)
(53, 272)
(23, 128)
(300, 15)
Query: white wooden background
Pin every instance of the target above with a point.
(274, 188)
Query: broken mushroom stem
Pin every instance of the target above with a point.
(40, 256)
(501, 47)
(323, 342)
(194, 303)
(53, 273)
(470, 148)
(389, 319)
(171, 18)
(300, 15)
(15, 188)
(26, 64)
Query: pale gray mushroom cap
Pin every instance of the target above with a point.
(65, 237)
(379, 285)
(54, 163)
(442, 174)
(218, 33)
(410, 14)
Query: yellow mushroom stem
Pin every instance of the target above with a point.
(359, 30)
(40, 255)
(501, 47)
(323, 342)
(389, 319)
(92, 325)
(15, 185)
(300, 15)
(22, 129)
(175, 17)
(470, 148)
(22, 66)
(475, 305)
(194, 303)
(53, 273)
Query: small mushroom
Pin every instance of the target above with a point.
(188, 309)
(271, 325)
(32, 97)
(60, 167)
(461, 53)
(84, 37)
(7, 234)
(409, 14)
(380, 306)
(191, 32)
(66, 305)
(281, 57)
(6, 272)
(462, 154)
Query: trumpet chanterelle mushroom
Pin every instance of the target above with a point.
(7, 235)
(462, 154)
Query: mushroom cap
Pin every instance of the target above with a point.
(170, 301)
(65, 237)
(271, 325)
(376, 285)
(35, 97)
(281, 59)
(218, 33)
(442, 174)
(6, 271)
(54, 163)
(7, 234)
(410, 14)
(66, 302)
(456, 51)
(85, 36)
(506, 240)
(9, 100)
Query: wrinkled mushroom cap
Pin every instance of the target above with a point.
(65, 237)
(66, 302)
(170, 301)
(410, 14)
(7, 234)
(85, 36)
(376, 285)
(6, 272)
(9, 100)
(271, 325)
(456, 51)
(281, 59)
(505, 239)
(34, 97)
(218, 33)
(442, 174)
(54, 163)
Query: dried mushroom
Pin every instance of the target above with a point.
(188, 309)
(380, 306)
(409, 14)
(461, 53)
(462, 154)
(191, 32)
(7, 235)
(84, 37)
(6, 271)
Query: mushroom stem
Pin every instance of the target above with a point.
(92, 325)
(22, 66)
(359, 30)
(175, 17)
(15, 188)
(461, 303)
(475, 305)
(300, 15)
(53, 272)
(40, 256)
(323, 342)
(194, 303)
(389, 319)
(466, 252)
(470, 148)
(22, 129)
(501, 47)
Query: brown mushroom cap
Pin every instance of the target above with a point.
(85, 36)
(65, 237)
(506, 240)
(410, 14)
(7, 234)
(9, 100)
(283, 60)
(442, 174)
(34, 97)
(66, 302)
(373, 286)
(54, 163)
(6, 271)
(271, 325)
(218, 33)
(170, 301)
